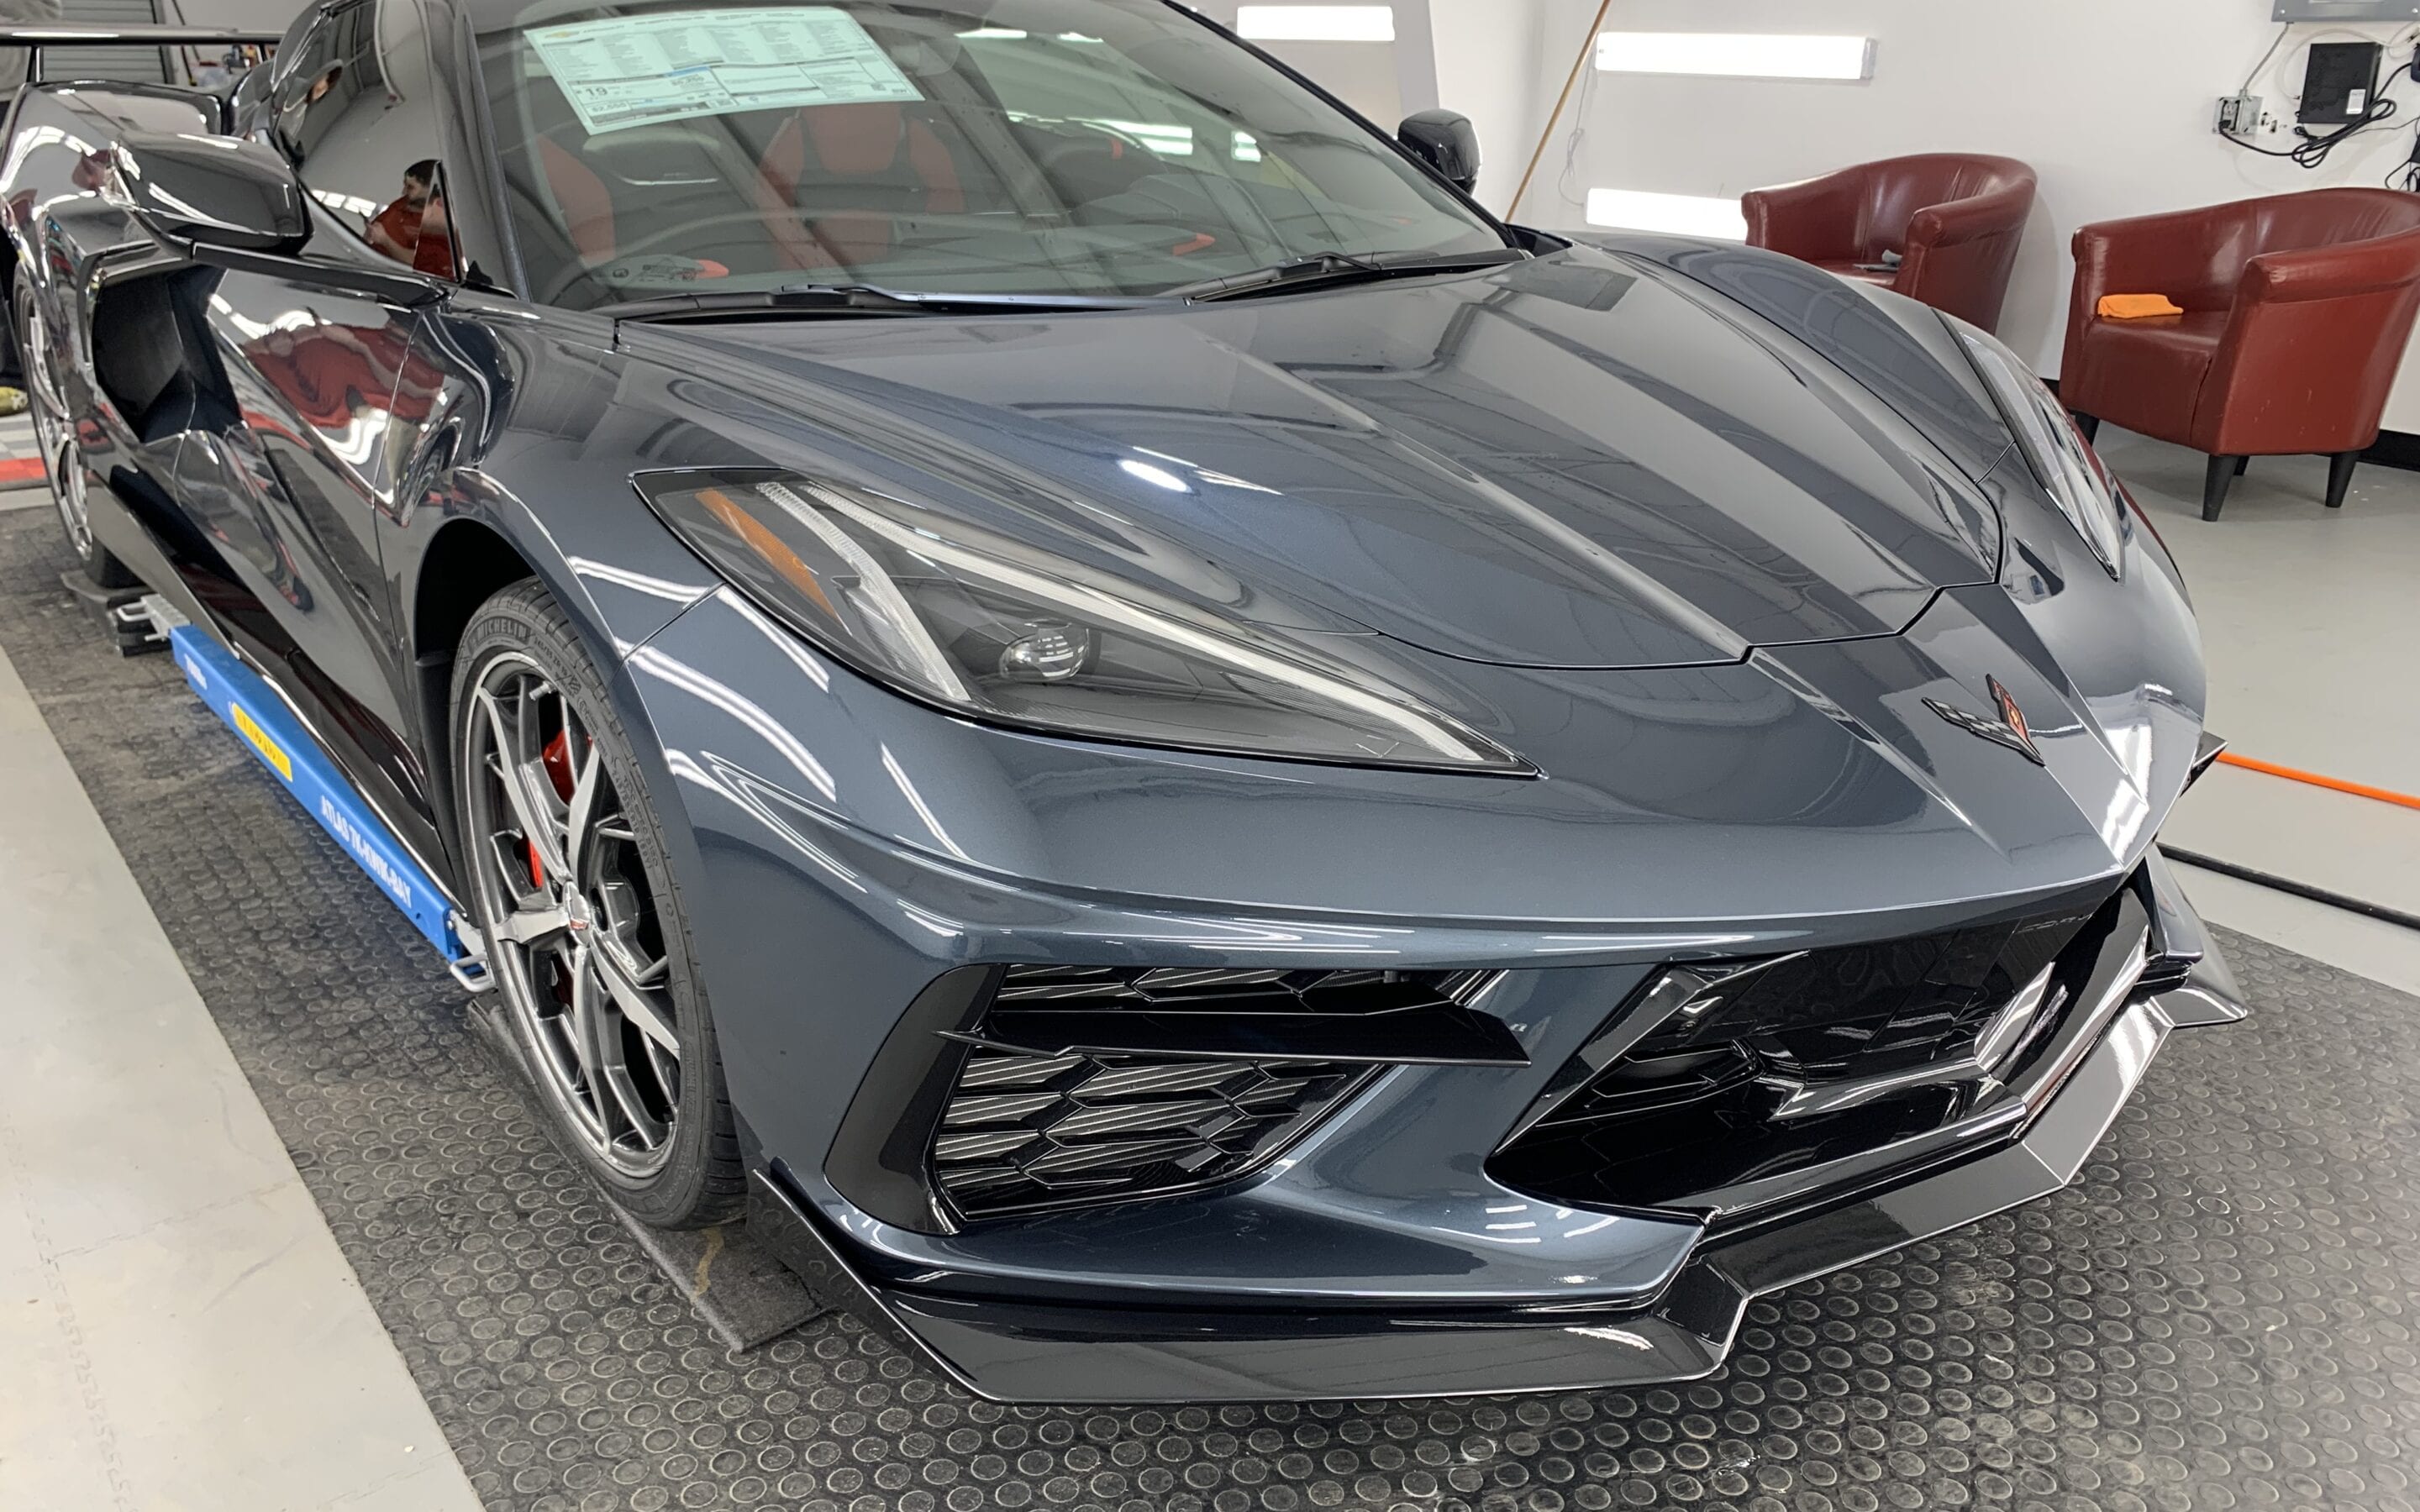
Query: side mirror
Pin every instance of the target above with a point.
(1446, 142)
(212, 192)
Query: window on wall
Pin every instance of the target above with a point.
(1736, 54)
(1688, 215)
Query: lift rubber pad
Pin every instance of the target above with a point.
(2223, 1313)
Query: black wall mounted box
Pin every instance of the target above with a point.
(2340, 84)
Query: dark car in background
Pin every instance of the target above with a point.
(1192, 769)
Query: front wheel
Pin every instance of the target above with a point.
(586, 937)
(54, 435)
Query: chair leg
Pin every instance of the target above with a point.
(2089, 425)
(2214, 484)
(2340, 468)
(2242, 465)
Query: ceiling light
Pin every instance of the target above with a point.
(1737, 54)
(1691, 215)
(1317, 24)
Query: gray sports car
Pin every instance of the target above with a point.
(1193, 770)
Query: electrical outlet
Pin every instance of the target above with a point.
(2239, 114)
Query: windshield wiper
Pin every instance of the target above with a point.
(1330, 270)
(846, 299)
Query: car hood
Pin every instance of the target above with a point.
(1585, 461)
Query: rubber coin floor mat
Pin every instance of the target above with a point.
(2223, 1312)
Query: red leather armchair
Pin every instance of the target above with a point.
(2297, 309)
(1955, 220)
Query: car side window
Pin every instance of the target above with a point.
(357, 115)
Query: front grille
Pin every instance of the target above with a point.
(1026, 1131)
(1760, 1068)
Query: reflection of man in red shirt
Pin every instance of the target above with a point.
(413, 229)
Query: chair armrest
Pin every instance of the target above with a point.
(2173, 253)
(1997, 212)
(2337, 272)
(2170, 254)
(1815, 220)
(2311, 349)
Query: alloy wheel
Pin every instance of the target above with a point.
(573, 931)
(54, 424)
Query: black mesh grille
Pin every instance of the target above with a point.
(1086, 1085)
(1829, 1015)
(1690, 1109)
(1024, 1132)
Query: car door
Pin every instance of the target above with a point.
(293, 460)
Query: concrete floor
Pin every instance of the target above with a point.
(178, 1327)
(2310, 617)
(182, 1331)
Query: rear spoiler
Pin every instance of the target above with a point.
(35, 38)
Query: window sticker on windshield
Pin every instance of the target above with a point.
(631, 71)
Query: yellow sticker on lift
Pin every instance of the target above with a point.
(258, 738)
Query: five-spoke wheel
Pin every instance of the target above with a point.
(566, 876)
(55, 434)
(581, 958)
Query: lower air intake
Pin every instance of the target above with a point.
(1087, 1085)
(1026, 1131)
(1722, 1073)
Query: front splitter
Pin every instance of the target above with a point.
(1050, 1353)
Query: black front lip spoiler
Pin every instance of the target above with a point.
(1048, 1353)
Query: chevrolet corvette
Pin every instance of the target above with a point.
(1192, 768)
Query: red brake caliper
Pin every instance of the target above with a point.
(556, 758)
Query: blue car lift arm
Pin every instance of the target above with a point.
(249, 707)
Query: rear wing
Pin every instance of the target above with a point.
(183, 49)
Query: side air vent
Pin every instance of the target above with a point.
(1106, 1083)
(1015, 1089)
(1026, 1131)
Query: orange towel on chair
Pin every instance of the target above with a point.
(2137, 306)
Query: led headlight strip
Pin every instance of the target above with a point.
(993, 627)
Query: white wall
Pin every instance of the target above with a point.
(1491, 56)
(2109, 99)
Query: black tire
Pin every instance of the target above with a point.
(594, 1056)
(54, 436)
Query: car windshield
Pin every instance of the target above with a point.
(1067, 148)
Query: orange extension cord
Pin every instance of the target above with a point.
(2287, 885)
(2334, 784)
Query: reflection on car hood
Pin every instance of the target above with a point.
(1582, 461)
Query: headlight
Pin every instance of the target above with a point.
(980, 625)
(2062, 460)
